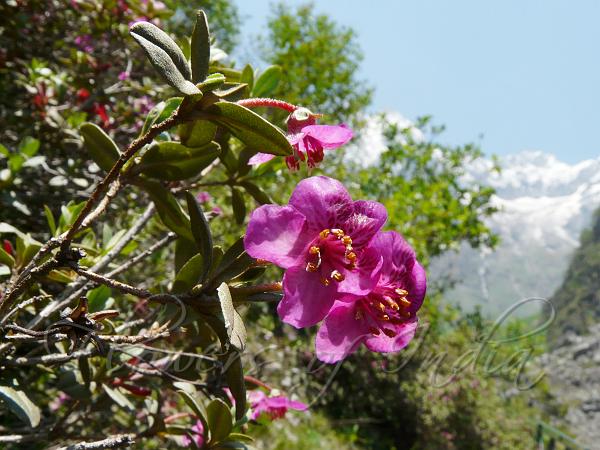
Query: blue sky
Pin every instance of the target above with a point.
(519, 74)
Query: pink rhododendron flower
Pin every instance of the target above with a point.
(203, 197)
(322, 240)
(124, 76)
(384, 319)
(197, 434)
(308, 139)
(273, 407)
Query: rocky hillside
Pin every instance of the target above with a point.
(573, 371)
(577, 300)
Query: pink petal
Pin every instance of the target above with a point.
(385, 344)
(417, 288)
(330, 136)
(324, 201)
(363, 279)
(277, 234)
(340, 334)
(306, 300)
(367, 220)
(260, 158)
(281, 401)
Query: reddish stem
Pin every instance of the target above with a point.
(267, 102)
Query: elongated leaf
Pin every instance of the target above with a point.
(239, 205)
(50, 220)
(168, 209)
(197, 407)
(159, 38)
(257, 193)
(232, 92)
(232, 321)
(102, 148)
(212, 82)
(118, 398)
(172, 161)
(201, 232)
(248, 76)
(6, 258)
(197, 133)
(184, 250)
(29, 146)
(234, 375)
(161, 112)
(189, 275)
(200, 48)
(267, 81)
(18, 402)
(219, 420)
(249, 127)
(166, 57)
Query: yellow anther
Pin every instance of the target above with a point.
(401, 292)
(389, 333)
(314, 250)
(405, 302)
(337, 232)
(311, 267)
(325, 281)
(347, 240)
(351, 256)
(381, 307)
(323, 234)
(337, 276)
(384, 317)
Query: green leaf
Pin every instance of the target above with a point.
(239, 205)
(200, 48)
(197, 407)
(161, 112)
(219, 420)
(168, 209)
(248, 76)
(212, 82)
(29, 146)
(197, 133)
(267, 81)
(4, 151)
(102, 148)
(118, 398)
(18, 402)
(257, 193)
(189, 275)
(249, 127)
(232, 321)
(201, 231)
(6, 258)
(172, 161)
(166, 57)
(85, 369)
(232, 92)
(97, 298)
(184, 250)
(50, 220)
(234, 375)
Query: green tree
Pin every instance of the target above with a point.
(319, 60)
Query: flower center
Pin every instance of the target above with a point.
(383, 307)
(331, 254)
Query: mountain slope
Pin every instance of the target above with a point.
(577, 300)
(545, 204)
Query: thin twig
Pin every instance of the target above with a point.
(76, 290)
(170, 237)
(56, 358)
(116, 441)
(142, 293)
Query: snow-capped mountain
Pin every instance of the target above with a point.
(544, 206)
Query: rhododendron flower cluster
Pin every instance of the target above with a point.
(308, 140)
(273, 407)
(366, 284)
